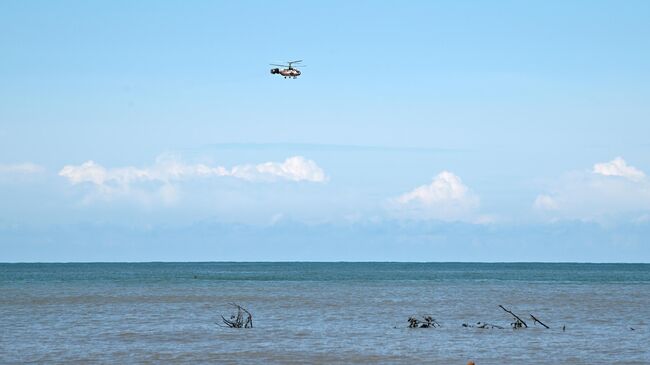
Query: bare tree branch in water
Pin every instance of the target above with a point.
(535, 320)
(238, 320)
(518, 323)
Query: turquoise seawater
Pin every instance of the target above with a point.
(323, 313)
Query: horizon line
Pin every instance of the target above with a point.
(326, 262)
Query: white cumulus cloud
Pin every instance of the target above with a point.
(162, 171)
(610, 191)
(167, 171)
(445, 198)
(618, 167)
(295, 168)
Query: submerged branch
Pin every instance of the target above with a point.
(519, 322)
(535, 320)
(483, 325)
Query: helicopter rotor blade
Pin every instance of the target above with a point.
(295, 61)
(275, 64)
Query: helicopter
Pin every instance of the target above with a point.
(290, 70)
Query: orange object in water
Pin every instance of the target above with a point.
(470, 362)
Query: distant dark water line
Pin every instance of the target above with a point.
(324, 272)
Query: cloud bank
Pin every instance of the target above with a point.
(610, 191)
(295, 168)
(167, 171)
(445, 198)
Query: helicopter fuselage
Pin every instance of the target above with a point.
(287, 72)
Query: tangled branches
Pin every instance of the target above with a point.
(238, 320)
(427, 322)
(517, 324)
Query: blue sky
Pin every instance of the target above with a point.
(427, 131)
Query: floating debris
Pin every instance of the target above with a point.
(238, 320)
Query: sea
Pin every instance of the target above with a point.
(324, 313)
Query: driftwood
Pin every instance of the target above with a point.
(518, 323)
(238, 320)
(535, 320)
(483, 325)
(427, 322)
